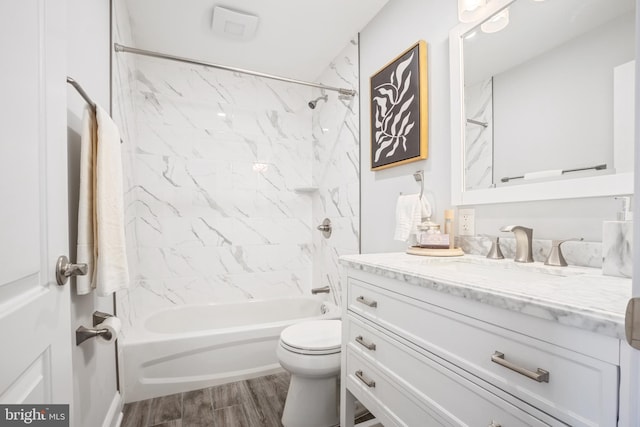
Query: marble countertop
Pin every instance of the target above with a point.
(575, 296)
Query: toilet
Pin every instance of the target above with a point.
(310, 351)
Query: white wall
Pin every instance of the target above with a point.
(398, 25)
(96, 399)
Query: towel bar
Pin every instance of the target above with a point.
(83, 94)
(596, 167)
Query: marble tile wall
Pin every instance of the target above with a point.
(216, 161)
(336, 171)
(479, 139)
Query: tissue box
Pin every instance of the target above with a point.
(617, 248)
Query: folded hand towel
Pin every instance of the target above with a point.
(85, 244)
(409, 213)
(112, 272)
(425, 208)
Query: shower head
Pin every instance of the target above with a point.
(312, 104)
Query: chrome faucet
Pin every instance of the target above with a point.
(524, 240)
(322, 290)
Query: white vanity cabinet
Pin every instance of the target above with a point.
(417, 356)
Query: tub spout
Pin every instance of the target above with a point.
(322, 290)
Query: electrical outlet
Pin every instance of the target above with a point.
(467, 222)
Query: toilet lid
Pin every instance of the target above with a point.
(315, 335)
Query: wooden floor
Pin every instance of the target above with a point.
(255, 402)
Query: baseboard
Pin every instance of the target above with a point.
(114, 414)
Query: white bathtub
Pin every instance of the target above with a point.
(192, 347)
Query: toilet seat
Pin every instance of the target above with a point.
(316, 337)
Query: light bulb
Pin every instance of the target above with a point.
(472, 4)
(470, 10)
(496, 23)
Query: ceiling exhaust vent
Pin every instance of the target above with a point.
(233, 24)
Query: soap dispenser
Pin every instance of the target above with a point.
(617, 242)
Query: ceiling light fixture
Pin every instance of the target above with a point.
(469, 10)
(496, 23)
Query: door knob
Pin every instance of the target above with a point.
(65, 269)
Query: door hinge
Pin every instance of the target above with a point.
(632, 323)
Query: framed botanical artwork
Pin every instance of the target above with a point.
(399, 119)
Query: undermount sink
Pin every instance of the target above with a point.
(505, 269)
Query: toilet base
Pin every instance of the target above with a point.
(312, 402)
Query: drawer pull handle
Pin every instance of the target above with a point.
(365, 301)
(540, 375)
(368, 383)
(367, 345)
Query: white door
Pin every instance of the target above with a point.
(630, 380)
(35, 334)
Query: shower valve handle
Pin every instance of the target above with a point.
(325, 227)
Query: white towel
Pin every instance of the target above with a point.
(112, 271)
(409, 213)
(543, 174)
(85, 248)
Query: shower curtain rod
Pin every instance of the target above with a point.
(120, 48)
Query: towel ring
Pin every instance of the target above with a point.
(419, 177)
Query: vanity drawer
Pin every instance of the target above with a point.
(440, 398)
(391, 404)
(580, 391)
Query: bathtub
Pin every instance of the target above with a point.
(196, 346)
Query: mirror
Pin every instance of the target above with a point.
(543, 108)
